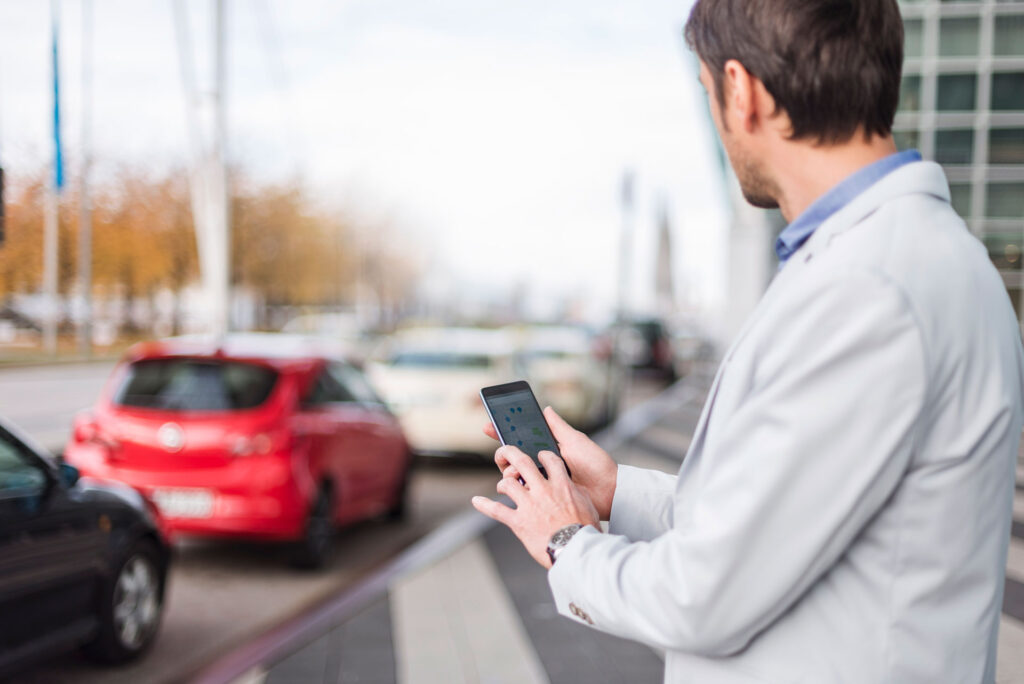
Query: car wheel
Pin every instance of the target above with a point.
(312, 550)
(131, 608)
(400, 506)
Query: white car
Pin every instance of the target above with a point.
(341, 333)
(566, 370)
(431, 379)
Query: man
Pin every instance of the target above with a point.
(843, 512)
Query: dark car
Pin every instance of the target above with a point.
(81, 563)
(646, 345)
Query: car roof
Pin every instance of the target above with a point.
(322, 324)
(564, 337)
(275, 349)
(491, 342)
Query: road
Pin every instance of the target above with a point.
(42, 400)
(221, 594)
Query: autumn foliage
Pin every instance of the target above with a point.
(284, 249)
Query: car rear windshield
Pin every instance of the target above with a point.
(195, 385)
(441, 360)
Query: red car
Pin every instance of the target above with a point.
(258, 436)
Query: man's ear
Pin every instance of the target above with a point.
(741, 103)
(770, 115)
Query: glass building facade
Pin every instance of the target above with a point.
(962, 105)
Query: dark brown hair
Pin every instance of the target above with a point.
(832, 65)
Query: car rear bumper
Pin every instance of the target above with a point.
(256, 497)
(260, 516)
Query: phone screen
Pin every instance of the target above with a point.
(518, 419)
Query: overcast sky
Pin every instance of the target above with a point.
(494, 133)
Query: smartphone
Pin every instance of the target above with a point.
(518, 420)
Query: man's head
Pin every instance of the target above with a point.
(820, 71)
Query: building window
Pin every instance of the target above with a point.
(958, 37)
(912, 40)
(1009, 35)
(1006, 146)
(960, 198)
(954, 146)
(957, 92)
(906, 140)
(910, 94)
(1005, 200)
(1008, 91)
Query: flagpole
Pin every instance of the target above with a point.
(85, 201)
(51, 210)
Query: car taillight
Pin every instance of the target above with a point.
(87, 430)
(663, 352)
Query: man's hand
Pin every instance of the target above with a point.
(543, 506)
(593, 470)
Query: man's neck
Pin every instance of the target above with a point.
(805, 172)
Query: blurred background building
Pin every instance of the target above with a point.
(962, 105)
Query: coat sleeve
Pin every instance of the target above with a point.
(643, 503)
(812, 452)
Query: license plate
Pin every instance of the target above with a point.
(184, 503)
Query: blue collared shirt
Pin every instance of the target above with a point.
(800, 230)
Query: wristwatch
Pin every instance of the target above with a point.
(560, 538)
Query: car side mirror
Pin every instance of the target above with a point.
(69, 475)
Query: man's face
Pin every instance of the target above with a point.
(756, 184)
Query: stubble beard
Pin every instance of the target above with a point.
(758, 188)
(761, 201)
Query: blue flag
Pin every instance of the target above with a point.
(58, 158)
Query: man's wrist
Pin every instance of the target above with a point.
(605, 510)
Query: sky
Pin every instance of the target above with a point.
(494, 135)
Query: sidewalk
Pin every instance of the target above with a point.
(469, 605)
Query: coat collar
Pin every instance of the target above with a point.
(916, 178)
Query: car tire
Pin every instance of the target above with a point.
(131, 606)
(312, 550)
(400, 507)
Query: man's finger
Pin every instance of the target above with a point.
(510, 471)
(491, 432)
(493, 509)
(555, 468)
(500, 459)
(513, 489)
(523, 463)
